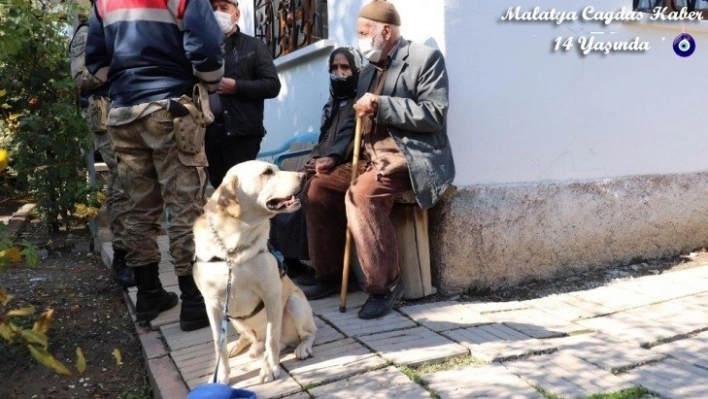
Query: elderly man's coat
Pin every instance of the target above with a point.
(413, 108)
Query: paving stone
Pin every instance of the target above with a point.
(535, 323)
(494, 307)
(331, 304)
(441, 316)
(683, 314)
(325, 333)
(604, 351)
(385, 383)
(495, 342)
(615, 297)
(671, 379)
(177, 339)
(331, 362)
(568, 307)
(244, 374)
(632, 327)
(664, 287)
(351, 325)
(485, 381)
(566, 375)
(413, 346)
(692, 350)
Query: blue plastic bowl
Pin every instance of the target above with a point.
(220, 391)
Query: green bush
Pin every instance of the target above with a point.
(41, 126)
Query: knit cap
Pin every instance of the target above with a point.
(381, 11)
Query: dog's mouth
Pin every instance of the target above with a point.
(289, 204)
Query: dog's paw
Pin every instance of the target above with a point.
(303, 351)
(257, 350)
(222, 377)
(269, 373)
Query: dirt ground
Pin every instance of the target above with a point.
(89, 312)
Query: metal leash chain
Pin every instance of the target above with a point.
(225, 318)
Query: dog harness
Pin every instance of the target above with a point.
(226, 317)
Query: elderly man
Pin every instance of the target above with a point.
(403, 100)
(153, 53)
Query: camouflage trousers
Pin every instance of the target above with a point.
(117, 202)
(116, 198)
(157, 178)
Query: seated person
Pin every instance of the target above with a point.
(402, 100)
(288, 233)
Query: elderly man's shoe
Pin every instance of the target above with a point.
(379, 305)
(321, 290)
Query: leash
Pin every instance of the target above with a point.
(225, 317)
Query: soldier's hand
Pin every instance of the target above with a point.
(227, 86)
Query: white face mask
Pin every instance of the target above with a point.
(224, 20)
(369, 50)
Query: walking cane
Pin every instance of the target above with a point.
(348, 242)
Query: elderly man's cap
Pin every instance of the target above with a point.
(234, 2)
(381, 11)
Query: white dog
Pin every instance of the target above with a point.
(235, 227)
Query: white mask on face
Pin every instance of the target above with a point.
(224, 20)
(369, 50)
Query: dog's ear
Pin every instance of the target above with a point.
(227, 199)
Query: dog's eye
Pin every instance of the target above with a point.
(268, 172)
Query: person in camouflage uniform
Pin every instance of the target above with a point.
(94, 107)
(153, 55)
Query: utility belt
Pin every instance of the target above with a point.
(191, 116)
(97, 113)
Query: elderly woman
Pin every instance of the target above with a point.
(289, 231)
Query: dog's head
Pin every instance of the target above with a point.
(259, 189)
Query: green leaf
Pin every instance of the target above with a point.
(47, 359)
(80, 360)
(35, 338)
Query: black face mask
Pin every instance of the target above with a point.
(341, 87)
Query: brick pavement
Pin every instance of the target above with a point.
(650, 331)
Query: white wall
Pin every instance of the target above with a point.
(521, 113)
(304, 75)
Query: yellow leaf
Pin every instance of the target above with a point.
(13, 254)
(34, 338)
(117, 355)
(45, 319)
(101, 197)
(3, 159)
(46, 358)
(3, 92)
(27, 311)
(6, 332)
(80, 360)
(13, 117)
(4, 297)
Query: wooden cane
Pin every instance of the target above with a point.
(348, 242)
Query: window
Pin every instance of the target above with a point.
(672, 5)
(287, 25)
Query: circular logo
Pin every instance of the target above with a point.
(684, 45)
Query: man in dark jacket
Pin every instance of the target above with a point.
(249, 78)
(153, 53)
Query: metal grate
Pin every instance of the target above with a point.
(287, 25)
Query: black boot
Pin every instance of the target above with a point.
(152, 298)
(193, 315)
(123, 273)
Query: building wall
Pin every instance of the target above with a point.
(564, 161)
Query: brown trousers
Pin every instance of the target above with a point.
(368, 207)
